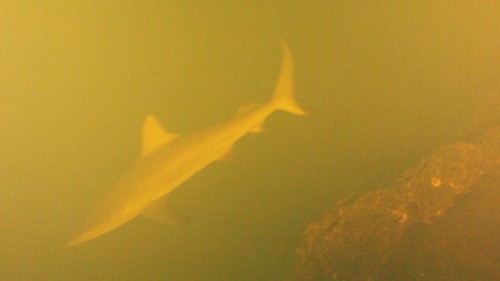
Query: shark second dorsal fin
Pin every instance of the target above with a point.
(154, 136)
(246, 108)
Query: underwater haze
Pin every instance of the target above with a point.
(385, 82)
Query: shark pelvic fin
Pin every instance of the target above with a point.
(154, 136)
(163, 212)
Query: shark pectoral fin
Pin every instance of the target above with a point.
(153, 135)
(163, 212)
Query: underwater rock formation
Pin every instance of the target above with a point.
(440, 221)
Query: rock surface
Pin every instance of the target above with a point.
(440, 221)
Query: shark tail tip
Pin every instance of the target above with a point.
(284, 89)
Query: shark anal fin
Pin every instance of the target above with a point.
(258, 128)
(154, 136)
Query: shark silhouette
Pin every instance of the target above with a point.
(169, 159)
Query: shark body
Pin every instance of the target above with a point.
(168, 159)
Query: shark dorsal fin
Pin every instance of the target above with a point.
(154, 136)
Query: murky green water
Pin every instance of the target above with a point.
(385, 82)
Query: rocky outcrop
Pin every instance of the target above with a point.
(440, 221)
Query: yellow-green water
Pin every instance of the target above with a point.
(385, 82)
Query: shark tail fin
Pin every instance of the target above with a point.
(283, 94)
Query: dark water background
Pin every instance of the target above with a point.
(385, 82)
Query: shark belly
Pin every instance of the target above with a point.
(151, 179)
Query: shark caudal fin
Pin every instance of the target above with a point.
(283, 94)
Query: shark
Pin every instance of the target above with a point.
(168, 160)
